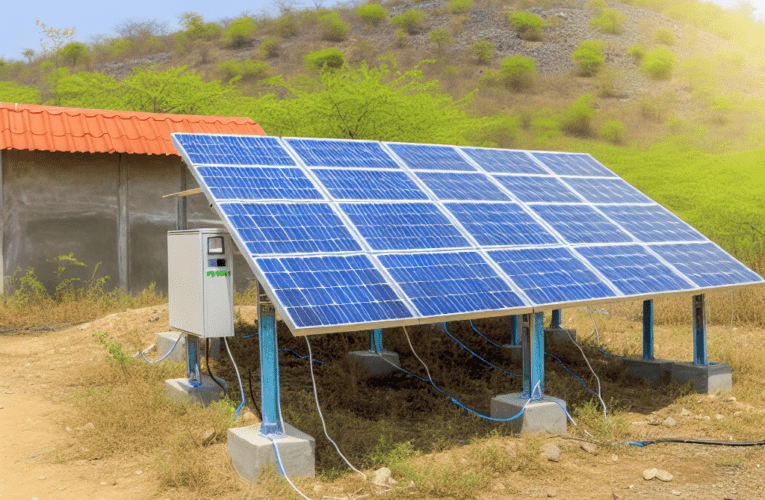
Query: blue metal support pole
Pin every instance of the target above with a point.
(271, 425)
(555, 322)
(375, 341)
(533, 342)
(648, 329)
(515, 327)
(192, 360)
(700, 330)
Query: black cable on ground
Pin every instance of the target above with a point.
(693, 441)
(207, 362)
(254, 401)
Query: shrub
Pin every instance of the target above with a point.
(247, 69)
(664, 36)
(659, 63)
(589, 56)
(333, 28)
(483, 50)
(195, 27)
(614, 131)
(460, 6)
(75, 52)
(239, 31)
(529, 25)
(518, 72)
(410, 21)
(268, 49)
(401, 38)
(577, 119)
(372, 13)
(441, 37)
(636, 51)
(609, 21)
(287, 25)
(331, 58)
(597, 5)
(609, 83)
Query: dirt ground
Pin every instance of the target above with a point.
(35, 401)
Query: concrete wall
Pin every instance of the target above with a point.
(103, 208)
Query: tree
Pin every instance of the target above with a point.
(52, 41)
(29, 54)
(23, 94)
(441, 37)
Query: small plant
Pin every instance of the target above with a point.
(664, 36)
(113, 348)
(636, 51)
(441, 37)
(529, 25)
(518, 72)
(483, 50)
(401, 38)
(268, 49)
(372, 13)
(330, 58)
(246, 69)
(610, 21)
(75, 52)
(609, 83)
(333, 28)
(589, 56)
(577, 119)
(410, 21)
(614, 131)
(460, 6)
(597, 5)
(238, 32)
(659, 63)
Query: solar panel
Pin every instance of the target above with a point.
(352, 235)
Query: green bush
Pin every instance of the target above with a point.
(460, 6)
(268, 49)
(247, 69)
(483, 50)
(529, 25)
(287, 25)
(597, 5)
(614, 131)
(664, 36)
(195, 27)
(410, 21)
(659, 63)
(372, 13)
(441, 37)
(577, 119)
(333, 28)
(609, 21)
(75, 52)
(517, 72)
(636, 51)
(589, 56)
(331, 58)
(239, 31)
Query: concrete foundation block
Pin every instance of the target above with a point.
(708, 378)
(515, 351)
(180, 388)
(653, 370)
(373, 362)
(545, 414)
(165, 341)
(250, 452)
(555, 335)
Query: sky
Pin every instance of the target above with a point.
(97, 17)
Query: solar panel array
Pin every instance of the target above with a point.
(352, 235)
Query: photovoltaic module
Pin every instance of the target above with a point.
(355, 235)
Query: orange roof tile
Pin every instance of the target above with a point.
(49, 128)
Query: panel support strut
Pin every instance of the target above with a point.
(515, 327)
(648, 330)
(192, 360)
(376, 341)
(700, 330)
(533, 342)
(271, 425)
(555, 321)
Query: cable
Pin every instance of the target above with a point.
(474, 354)
(318, 407)
(249, 336)
(570, 372)
(484, 336)
(605, 410)
(693, 441)
(301, 357)
(597, 336)
(207, 362)
(163, 357)
(241, 388)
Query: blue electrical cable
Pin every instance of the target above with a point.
(241, 387)
(163, 357)
(249, 336)
(476, 355)
(299, 356)
(484, 336)
(570, 372)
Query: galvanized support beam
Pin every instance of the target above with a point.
(700, 330)
(192, 360)
(515, 330)
(533, 342)
(555, 321)
(648, 330)
(123, 225)
(181, 220)
(271, 425)
(376, 341)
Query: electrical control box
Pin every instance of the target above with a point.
(200, 265)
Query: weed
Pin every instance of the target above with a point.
(589, 56)
(608, 83)
(529, 25)
(637, 52)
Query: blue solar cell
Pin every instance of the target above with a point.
(581, 224)
(538, 189)
(258, 183)
(577, 164)
(290, 228)
(401, 226)
(450, 283)
(607, 191)
(551, 275)
(652, 224)
(503, 161)
(427, 157)
(500, 224)
(633, 270)
(349, 154)
(707, 265)
(204, 149)
(324, 291)
(462, 187)
(369, 185)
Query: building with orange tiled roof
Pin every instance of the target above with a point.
(90, 182)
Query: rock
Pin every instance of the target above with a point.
(9, 391)
(552, 452)
(719, 417)
(1, 407)
(614, 458)
(552, 493)
(731, 398)
(42, 477)
(381, 476)
(104, 483)
(514, 468)
(649, 474)
(669, 422)
(589, 448)
(676, 493)
(249, 416)
(685, 413)
(89, 427)
(392, 481)
(706, 417)
(138, 472)
(663, 475)
(86, 325)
